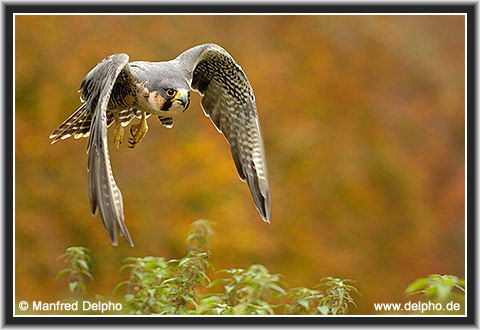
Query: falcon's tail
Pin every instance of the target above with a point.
(77, 125)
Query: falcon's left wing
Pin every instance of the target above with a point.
(229, 102)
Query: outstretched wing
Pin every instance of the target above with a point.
(229, 102)
(104, 194)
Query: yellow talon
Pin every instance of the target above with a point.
(117, 132)
(138, 131)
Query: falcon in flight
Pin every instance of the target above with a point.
(116, 91)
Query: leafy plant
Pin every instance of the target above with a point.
(78, 268)
(144, 285)
(247, 291)
(177, 286)
(439, 288)
(199, 237)
(156, 286)
(305, 301)
(334, 300)
(338, 296)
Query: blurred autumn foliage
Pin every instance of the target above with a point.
(363, 119)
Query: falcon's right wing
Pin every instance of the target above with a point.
(96, 89)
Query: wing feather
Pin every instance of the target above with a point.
(104, 193)
(229, 101)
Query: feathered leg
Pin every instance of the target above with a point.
(118, 131)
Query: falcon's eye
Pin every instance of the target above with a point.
(170, 92)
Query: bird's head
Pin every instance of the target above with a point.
(176, 99)
(165, 101)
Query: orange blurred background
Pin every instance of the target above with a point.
(363, 120)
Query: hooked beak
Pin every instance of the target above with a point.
(183, 96)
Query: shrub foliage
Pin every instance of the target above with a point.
(182, 286)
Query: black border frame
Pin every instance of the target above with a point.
(10, 9)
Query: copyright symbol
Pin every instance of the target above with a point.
(23, 305)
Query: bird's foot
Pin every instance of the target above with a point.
(118, 135)
(138, 132)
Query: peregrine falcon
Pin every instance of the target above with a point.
(116, 91)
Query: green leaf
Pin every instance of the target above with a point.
(171, 279)
(83, 263)
(443, 291)
(450, 280)
(304, 304)
(208, 296)
(63, 255)
(82, 286)
(354, 289)
(417, 285)
(431, 291)
(278, 288)
(323, 310)
(84, 272)
(341, 293)
(238, 277)
(63, 271)
(73, 286)
(229, 288)
(129, 297)
(216, 282)
(119, 286)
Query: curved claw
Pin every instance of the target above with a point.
(138, 132)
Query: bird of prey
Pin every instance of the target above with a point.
(116, 91)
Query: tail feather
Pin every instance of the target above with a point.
(78, 124)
